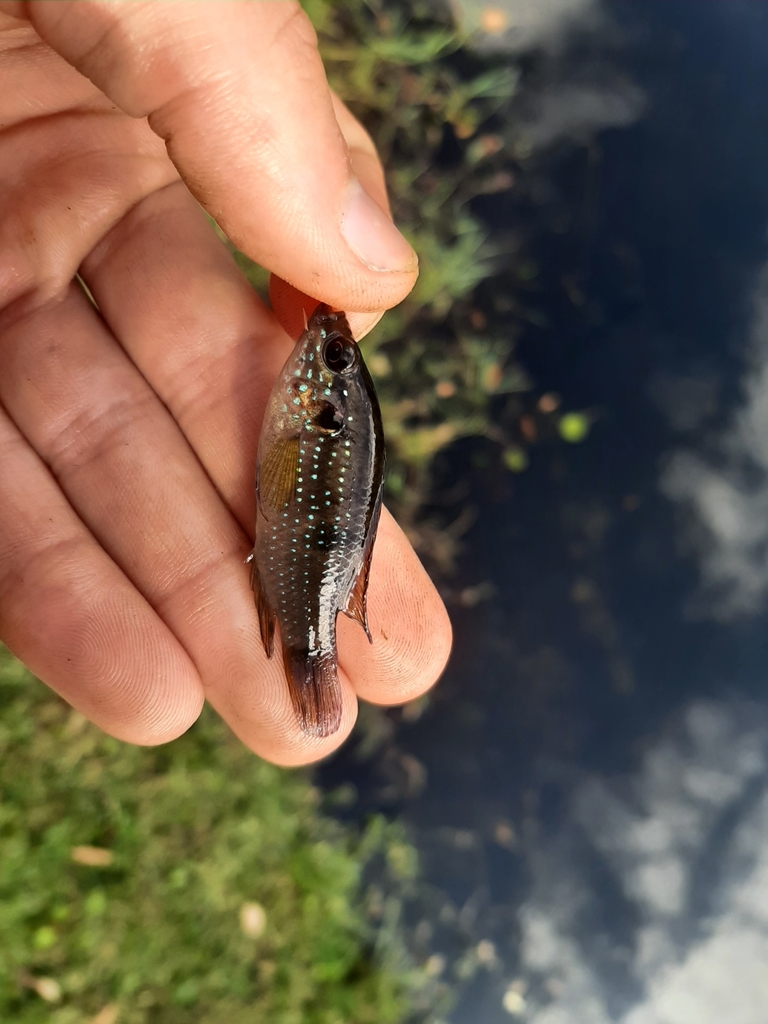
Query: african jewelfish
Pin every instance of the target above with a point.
(319, 480)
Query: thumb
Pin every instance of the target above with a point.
(238, 92)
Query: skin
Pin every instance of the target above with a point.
(128, 439)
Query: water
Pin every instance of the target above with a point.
(589, 784)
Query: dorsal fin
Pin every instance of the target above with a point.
(276, 477)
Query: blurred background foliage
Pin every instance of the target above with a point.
(193, 882)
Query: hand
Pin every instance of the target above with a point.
(128, 435)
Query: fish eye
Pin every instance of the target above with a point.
(339, 353)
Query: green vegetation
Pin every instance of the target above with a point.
(187, 883)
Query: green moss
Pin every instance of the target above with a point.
(186, 837)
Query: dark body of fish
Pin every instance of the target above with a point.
(318, 489)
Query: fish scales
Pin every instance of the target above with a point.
(318, 486)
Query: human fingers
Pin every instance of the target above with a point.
(162, 274)
(238, 92)
(70, 613)
(409, 625)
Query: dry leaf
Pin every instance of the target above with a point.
(92, 856)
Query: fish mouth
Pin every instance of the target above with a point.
(325, 312)
(325, 315)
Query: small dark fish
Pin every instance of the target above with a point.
(318, 489)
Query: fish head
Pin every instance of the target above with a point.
(313, 391)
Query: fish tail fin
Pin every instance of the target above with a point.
(314, 686)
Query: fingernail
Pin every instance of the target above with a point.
(372, 236)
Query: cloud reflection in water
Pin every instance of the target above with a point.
(726, 490)
(684, 846)
(576, 91)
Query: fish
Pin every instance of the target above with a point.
(319, 484)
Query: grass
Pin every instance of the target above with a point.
(186, 883)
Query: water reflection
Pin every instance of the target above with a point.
(724, 484)
(579, 86)
(589, 784)
(518, 26)
(683, 848)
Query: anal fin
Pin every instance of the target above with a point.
(357, 602)
(266, 615)
(315, 692)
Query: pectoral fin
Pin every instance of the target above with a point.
(276, 476)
